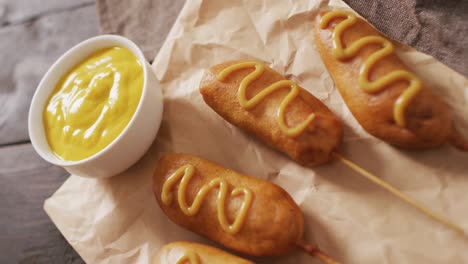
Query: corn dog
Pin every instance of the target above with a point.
(278, 111)
(183, 252)
(240, 212)
(385, 97)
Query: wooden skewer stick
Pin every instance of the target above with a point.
(397, 193)
(313, 250)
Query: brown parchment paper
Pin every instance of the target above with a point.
(118, 221)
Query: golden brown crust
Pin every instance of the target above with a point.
(429, 122)
(313, 147)
(263, 232)
(173, 252)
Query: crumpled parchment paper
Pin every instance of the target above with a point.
(117, 220)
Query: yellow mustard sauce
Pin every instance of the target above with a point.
(340, 53)
(189, 257)
(248, 104)
(93, 103)
(184, 174)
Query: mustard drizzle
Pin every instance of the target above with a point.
(184, 174)
(189, 257)
(249, 104)
(342, 54)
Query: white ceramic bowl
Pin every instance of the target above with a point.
(134, 140)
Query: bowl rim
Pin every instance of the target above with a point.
(122, 42)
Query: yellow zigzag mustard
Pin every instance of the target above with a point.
(184, 174)
(248, 104)
(342, 54)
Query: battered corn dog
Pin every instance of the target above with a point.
(240, 212)
(386, 98)
(183, 252)
(259, 100)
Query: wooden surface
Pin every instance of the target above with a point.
(27, 235)
(33, 34)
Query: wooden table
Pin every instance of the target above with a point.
(33, 34)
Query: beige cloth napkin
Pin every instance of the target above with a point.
(146, 22)
(438, 28)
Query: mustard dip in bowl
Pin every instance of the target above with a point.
(98, 108)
